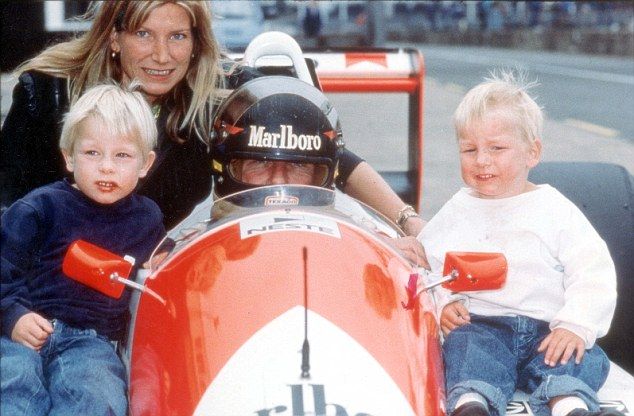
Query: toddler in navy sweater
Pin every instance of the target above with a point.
(57, 354)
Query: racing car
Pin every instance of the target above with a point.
(293, 302)
(247, 312)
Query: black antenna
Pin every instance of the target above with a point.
(305, 346)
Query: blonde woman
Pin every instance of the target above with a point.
(169, 47)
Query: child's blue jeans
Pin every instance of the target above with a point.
(77, 372)
(494, 356)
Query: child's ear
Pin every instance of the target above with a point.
(148, 163)
(68, 158)
(535, 153)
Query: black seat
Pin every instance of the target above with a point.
(603, 192)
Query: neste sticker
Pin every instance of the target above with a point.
(281, 222)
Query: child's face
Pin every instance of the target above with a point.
(106, 168)
(494, 160)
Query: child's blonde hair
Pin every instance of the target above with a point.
(505, 93)
(123, 112)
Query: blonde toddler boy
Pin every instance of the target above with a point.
(538, 332)
(57, 354)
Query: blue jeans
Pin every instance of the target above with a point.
(494, 356)
(77, 372)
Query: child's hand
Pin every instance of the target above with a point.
(31, 330)
(559, 345)
(452, 316)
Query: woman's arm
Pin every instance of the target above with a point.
(366, 185)
(29, 150)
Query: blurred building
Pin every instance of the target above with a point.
(604, 27)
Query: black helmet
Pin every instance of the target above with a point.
(275, 118)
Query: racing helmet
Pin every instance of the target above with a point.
(275, 118)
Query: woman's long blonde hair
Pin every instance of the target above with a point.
(85, 61)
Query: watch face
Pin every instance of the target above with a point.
(406, 212)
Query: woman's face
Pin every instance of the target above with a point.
(158, 53)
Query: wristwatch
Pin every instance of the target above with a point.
(406, 212)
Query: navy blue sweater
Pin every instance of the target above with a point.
(36, 232)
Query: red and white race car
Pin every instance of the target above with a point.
(289, 300)
(283, 300)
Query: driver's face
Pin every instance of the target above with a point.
(269, 172)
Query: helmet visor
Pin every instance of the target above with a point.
(277, 172)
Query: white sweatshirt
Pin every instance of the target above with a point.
(559, 269)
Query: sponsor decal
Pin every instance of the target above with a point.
(280, 200)
(252, 226)
(617, 405)
(518, 408)
(378, 59)
(285, 139)
(317, 403)
(521, 407)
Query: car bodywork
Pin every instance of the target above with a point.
(245, 287)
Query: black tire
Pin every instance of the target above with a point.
(603, 192)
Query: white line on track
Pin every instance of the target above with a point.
(545, 68)
(593, 128)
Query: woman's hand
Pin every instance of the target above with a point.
(559, 345)
(412, 249)
(31, 330)
(413, 226)
(453, 315)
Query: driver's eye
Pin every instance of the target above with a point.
(256, 164)
(238, 168)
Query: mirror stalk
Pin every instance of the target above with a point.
(114, 277)
(448, 278)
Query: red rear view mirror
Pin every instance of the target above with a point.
(101, 270)
(474, 271)
(96, 267)
(463, 272)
